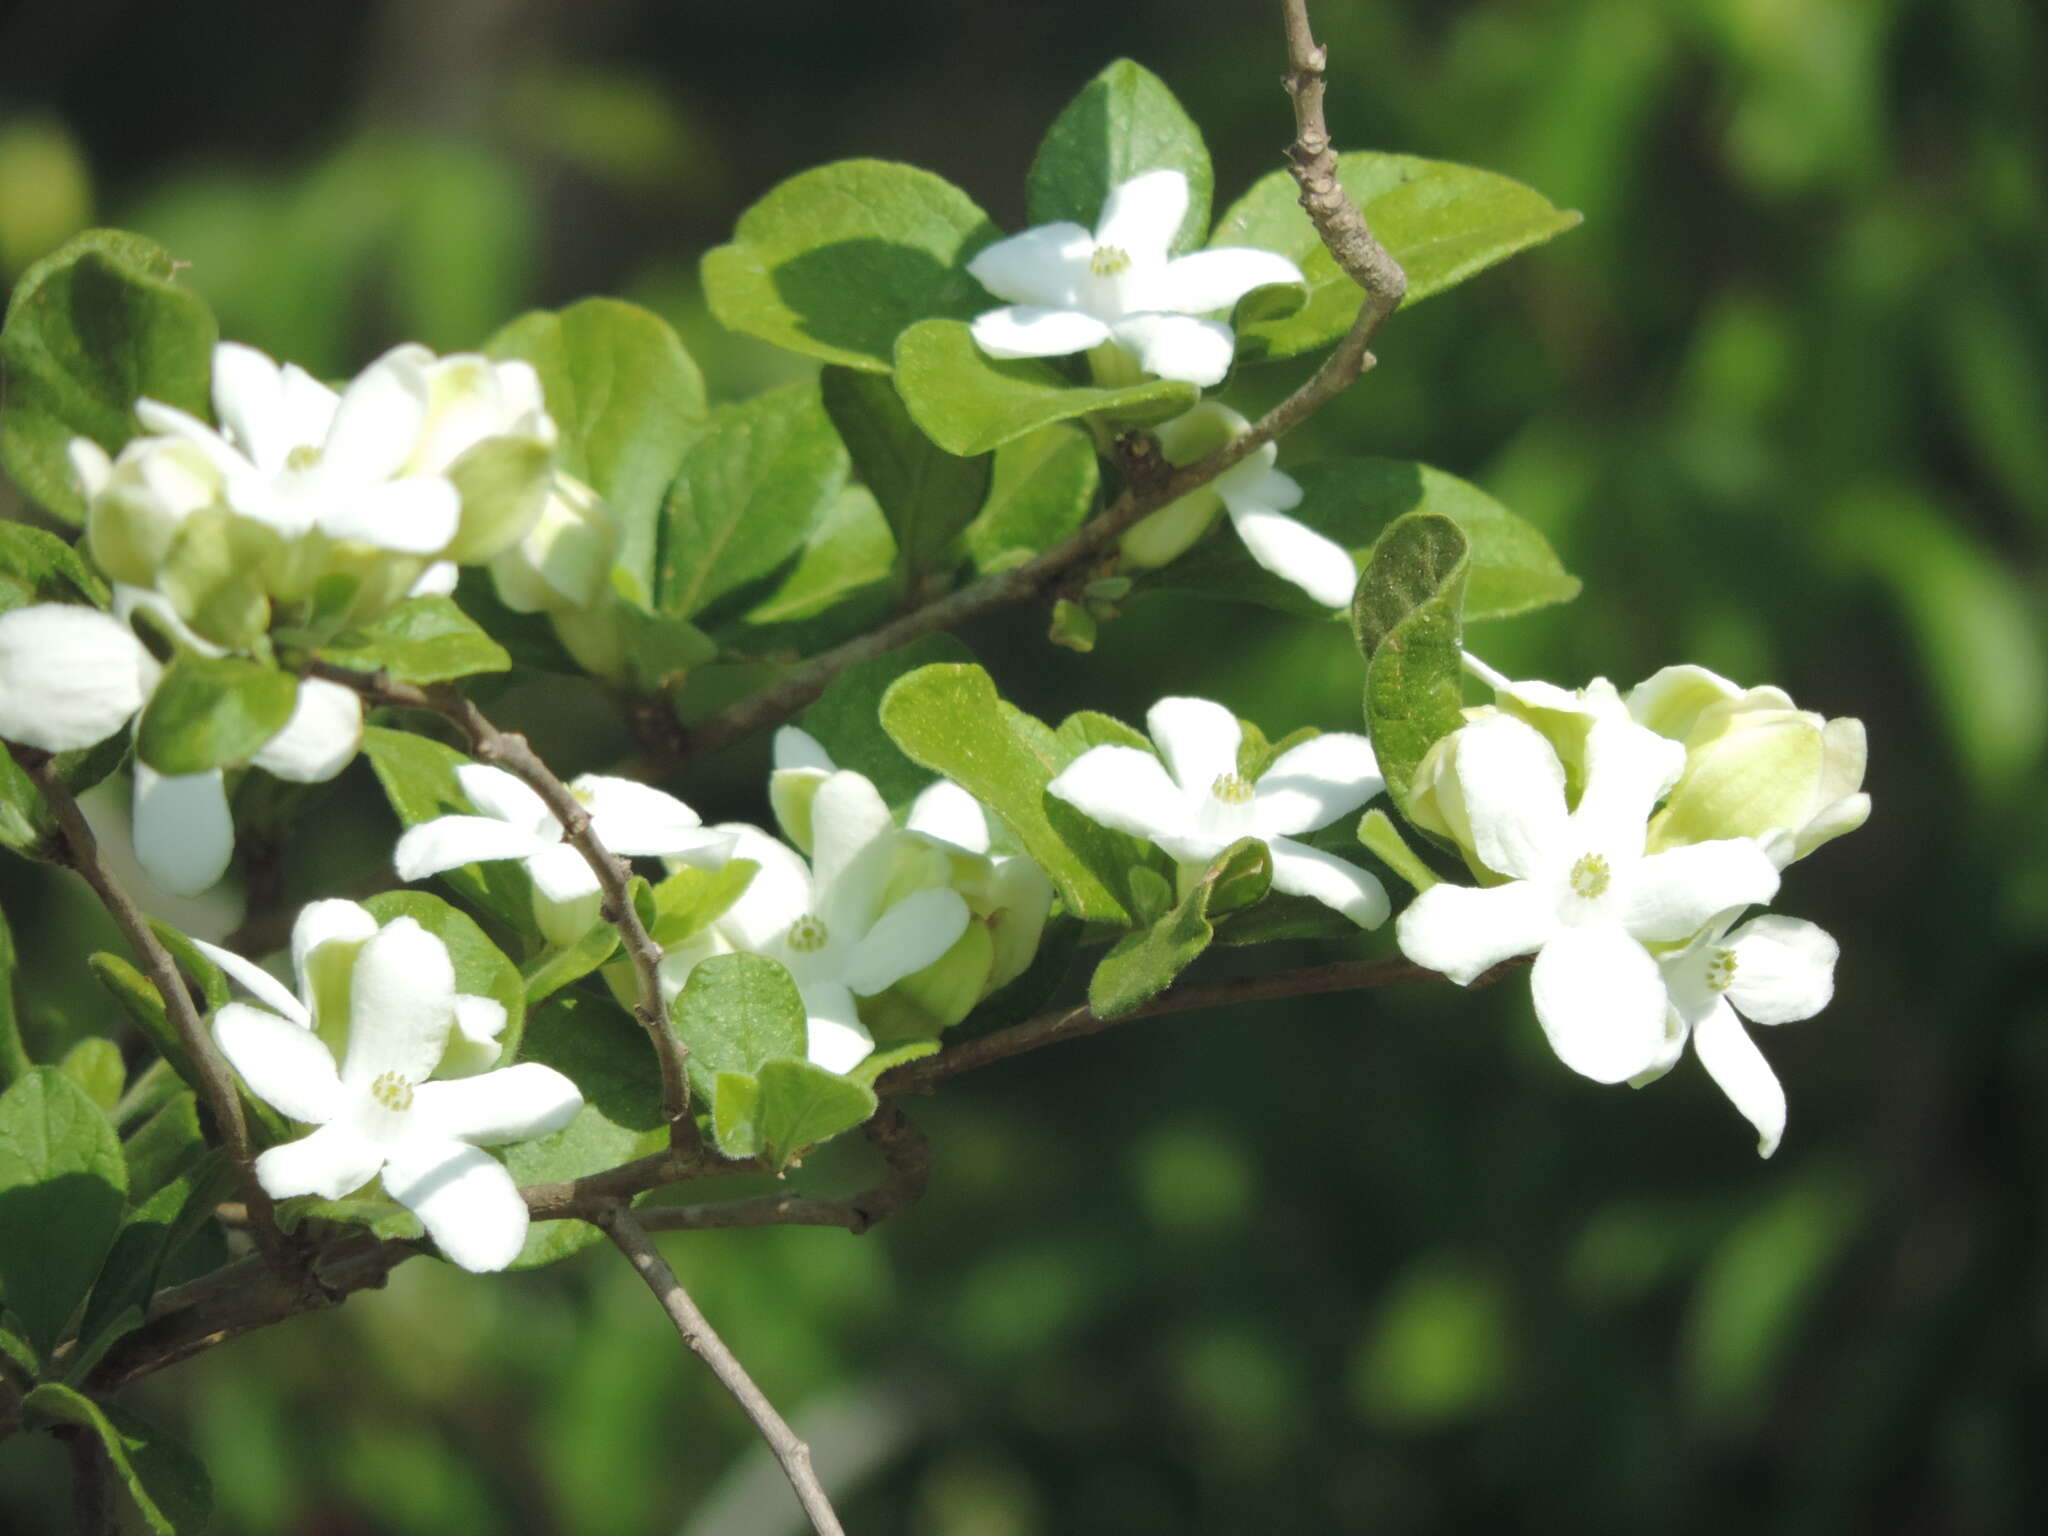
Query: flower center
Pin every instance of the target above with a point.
(1232, 789)
(302, 458)
(1109, 261)
(1721, 971)
(1590, 876)
(807, 935)
(392, 1091)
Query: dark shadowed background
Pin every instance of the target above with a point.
(1360, 1264)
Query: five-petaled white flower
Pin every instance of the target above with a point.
(71, 676)
(1771, 970)
(1070, 290)
(1199, 803)
(630, 819)
(377, 1114)
(1579, 891)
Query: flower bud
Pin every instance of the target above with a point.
(488, 431)
(136, 503)
(565, 559)
(937, 997)
(1171, 531)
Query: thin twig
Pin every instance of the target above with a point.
(81, 852)
(512, 752)
(620, 1226)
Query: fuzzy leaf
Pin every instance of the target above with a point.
(1143, 964)
(1125, 122)
(422, 640)
(928, 494)
(209, 712)
(1406, 620)
(62, 1186)
(168, 1483)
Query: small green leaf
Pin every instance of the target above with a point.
(140, 1000)
(1042, 489)
(90, 330)
(151, 1234)
(735, 1114)
(1124, 122)
(211, 711)
(46, 569)
(384, 1218)
(692, 899)
(169, 1485)
(799, 1104)
(847, 716)
(1443, 223)
(753, 486)
(881, 1061)
(850, 554)
(928, 494)
(949, 719)
(968, 402)
(836, 262)
(558, 968)
(163, 1146)
(480, 966)
(422, 640)
(213, 984)
(1141, 965)
(628, 399)
(62, 1186)
(736, 1013)
(1376, 830)
(1353, 501)
(14, 1057)
(19, 1353)
(1406, 620)
(95, 1065)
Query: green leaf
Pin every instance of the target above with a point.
(735, 1114)
(91, 329)
(20, 1354)
(1042, 489)
(846, 719)
(949, 719)
(787, 1106)
(836, 262)
(211, 711)
(14, 1057)
(95, 1065)
(45, 569)
(737, 1013)
(140, 1000)
(1141, 965)
(873, 1066)
(419, 780)
(480, 966)
(62, 1186)
(422, 640)
(169, 1485)
(968, 402)
(1406, 620)
(628, 399)
(1443, 223)
(692, 899)
(752, 488)
(383, 1218)
(1124, 122)
(171, 1215)
(599, 1047)
(163, 1146)
(212, 982)
(927, 494)
(559, 968)
(850, 551)
(1353, 501)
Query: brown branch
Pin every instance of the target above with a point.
(80, 851)
(703, 1341)
(512, 752)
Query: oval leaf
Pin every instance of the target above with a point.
(927, 494)
(422, 640)
(211, 711)
(62, 1185)
(1406, 620)
(168, 1483)
(1124, 122)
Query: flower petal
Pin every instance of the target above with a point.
(1043, 266)
(258, 982)
(282, 1061)
(320, 738)
(1312, 784)
(401, 1005)
(414, 516)
(1199, 740)
(562, 875)
(777, 896)
(437, 580)
(474, 1046)
(377, 424)
(1178, 346)
(1215, 279)
(1513, 789)
(1296, 553)
(70, 676)
(850, 852)
(330, 1163)
(1463, 930)
(1601, 1001)
(494, 792)
(449, 841)
(1628, 769)
(248, 401)
(905, 939)
(1125, 789)
(1784, 969)
(1669, 701)
(798, 748)
(947, 812)
(184, 834)
(1025, 330)
(325, 940)
(838, 1041)
(636, 820)
(1733, 1061)
(1300, 870)
(1141, 216)
(463, 1197)
(1672, 894)
(520, 1103)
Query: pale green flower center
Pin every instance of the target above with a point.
(1590, 876)
(302, 458)
(392, 1091)
(1721, 970)
(1232, 789)
(1109, 261)
(807, 935)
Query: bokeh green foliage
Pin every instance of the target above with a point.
(1348, 1264)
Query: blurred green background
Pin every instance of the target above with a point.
(1362, 1264)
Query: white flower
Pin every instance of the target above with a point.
(136, 503)
(832, 923)
(1199, 804)
(472, 399)
(1257, 498)
(1071, 291)
(1579, 891)
(71, 676)
(565, 560)
(1771, 970)
(378, 1114)
(630, 819)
